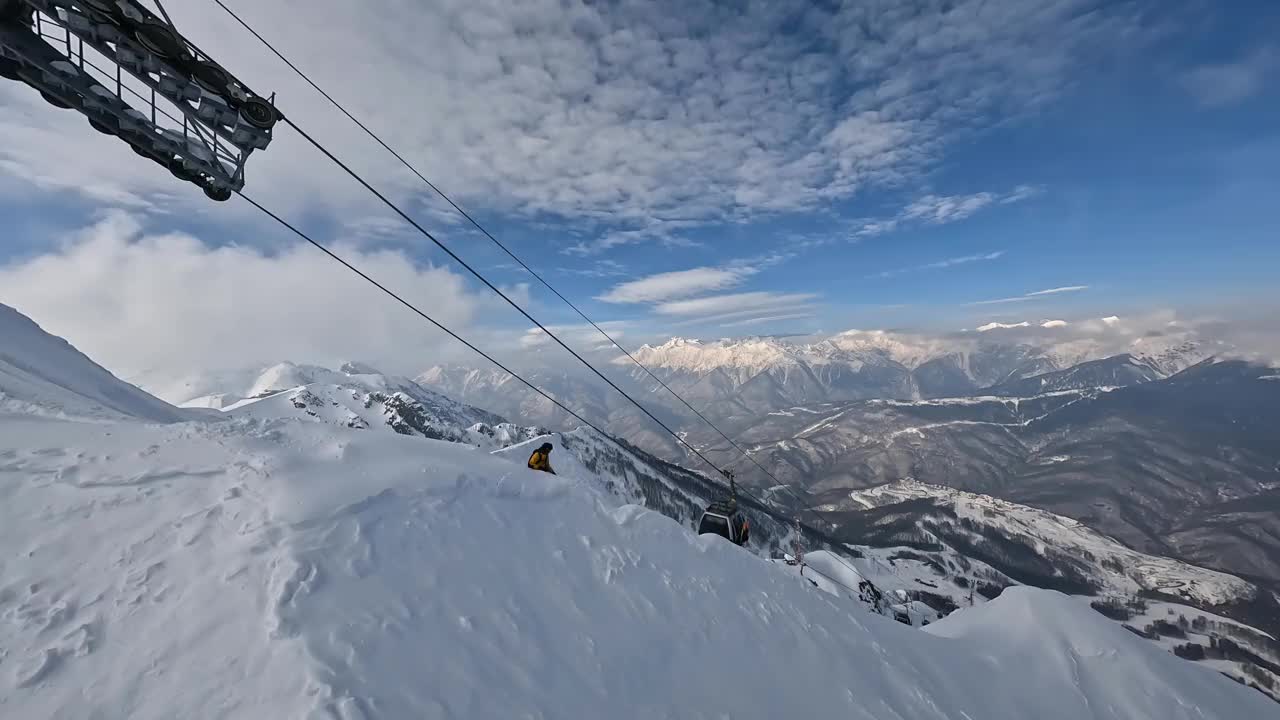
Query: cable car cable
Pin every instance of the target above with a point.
(320, 246)
(376, 138)
(480, 276)
(397, 297)
(523, 264)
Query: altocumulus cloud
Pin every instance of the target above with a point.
(613, 112)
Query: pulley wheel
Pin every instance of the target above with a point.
(259, 113)
(211, 77)
(54, 101)
(217, 194)
(160, 40)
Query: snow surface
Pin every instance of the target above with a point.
(285, 569)
(1170, 612)
(43, 374)
(216, 401)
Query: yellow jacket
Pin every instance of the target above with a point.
(540, 460)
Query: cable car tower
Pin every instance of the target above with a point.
(131, 73)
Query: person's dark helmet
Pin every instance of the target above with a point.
(546, 447)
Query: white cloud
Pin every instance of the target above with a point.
(941, 210)
(937, 209)
(618, 113)
(160, 305)
(1111, 320)
(1020, 193)
(678, 284)
(768, 319)
(663, 232)
(872, 228)
(1054, 324)
(734, 303)
(576, 336)
(1033, 295)
(752, 312)
(949, 262)
(1230, 83)
(663, 288)
(1059, 290)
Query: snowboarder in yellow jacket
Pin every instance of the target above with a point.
(541, 459)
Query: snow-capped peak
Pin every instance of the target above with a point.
(1173, 353)
(1002, 326)
(905, 349)
(359, 368)
(753, 354)
(286, 375)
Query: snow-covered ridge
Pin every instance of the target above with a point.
(43, 374)
(359, 397)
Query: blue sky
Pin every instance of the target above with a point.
(714, 169)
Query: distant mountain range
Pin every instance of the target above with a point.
(743, 378)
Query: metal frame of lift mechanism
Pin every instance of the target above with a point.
(219, 121)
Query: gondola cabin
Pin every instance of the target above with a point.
(724, 519)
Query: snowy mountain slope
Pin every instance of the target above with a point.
(1243, 653)
(930, 544)
(1117, 371)
(40, 373)
(1185, 467)
(1112, 566)
(1173, 353)
(627, 474)
(365, 399)
(286, 569)
(269, 567)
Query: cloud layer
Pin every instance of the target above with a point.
(143, 304)
(940, 264)
(644, 117)
(678, 284)
(940, 210)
